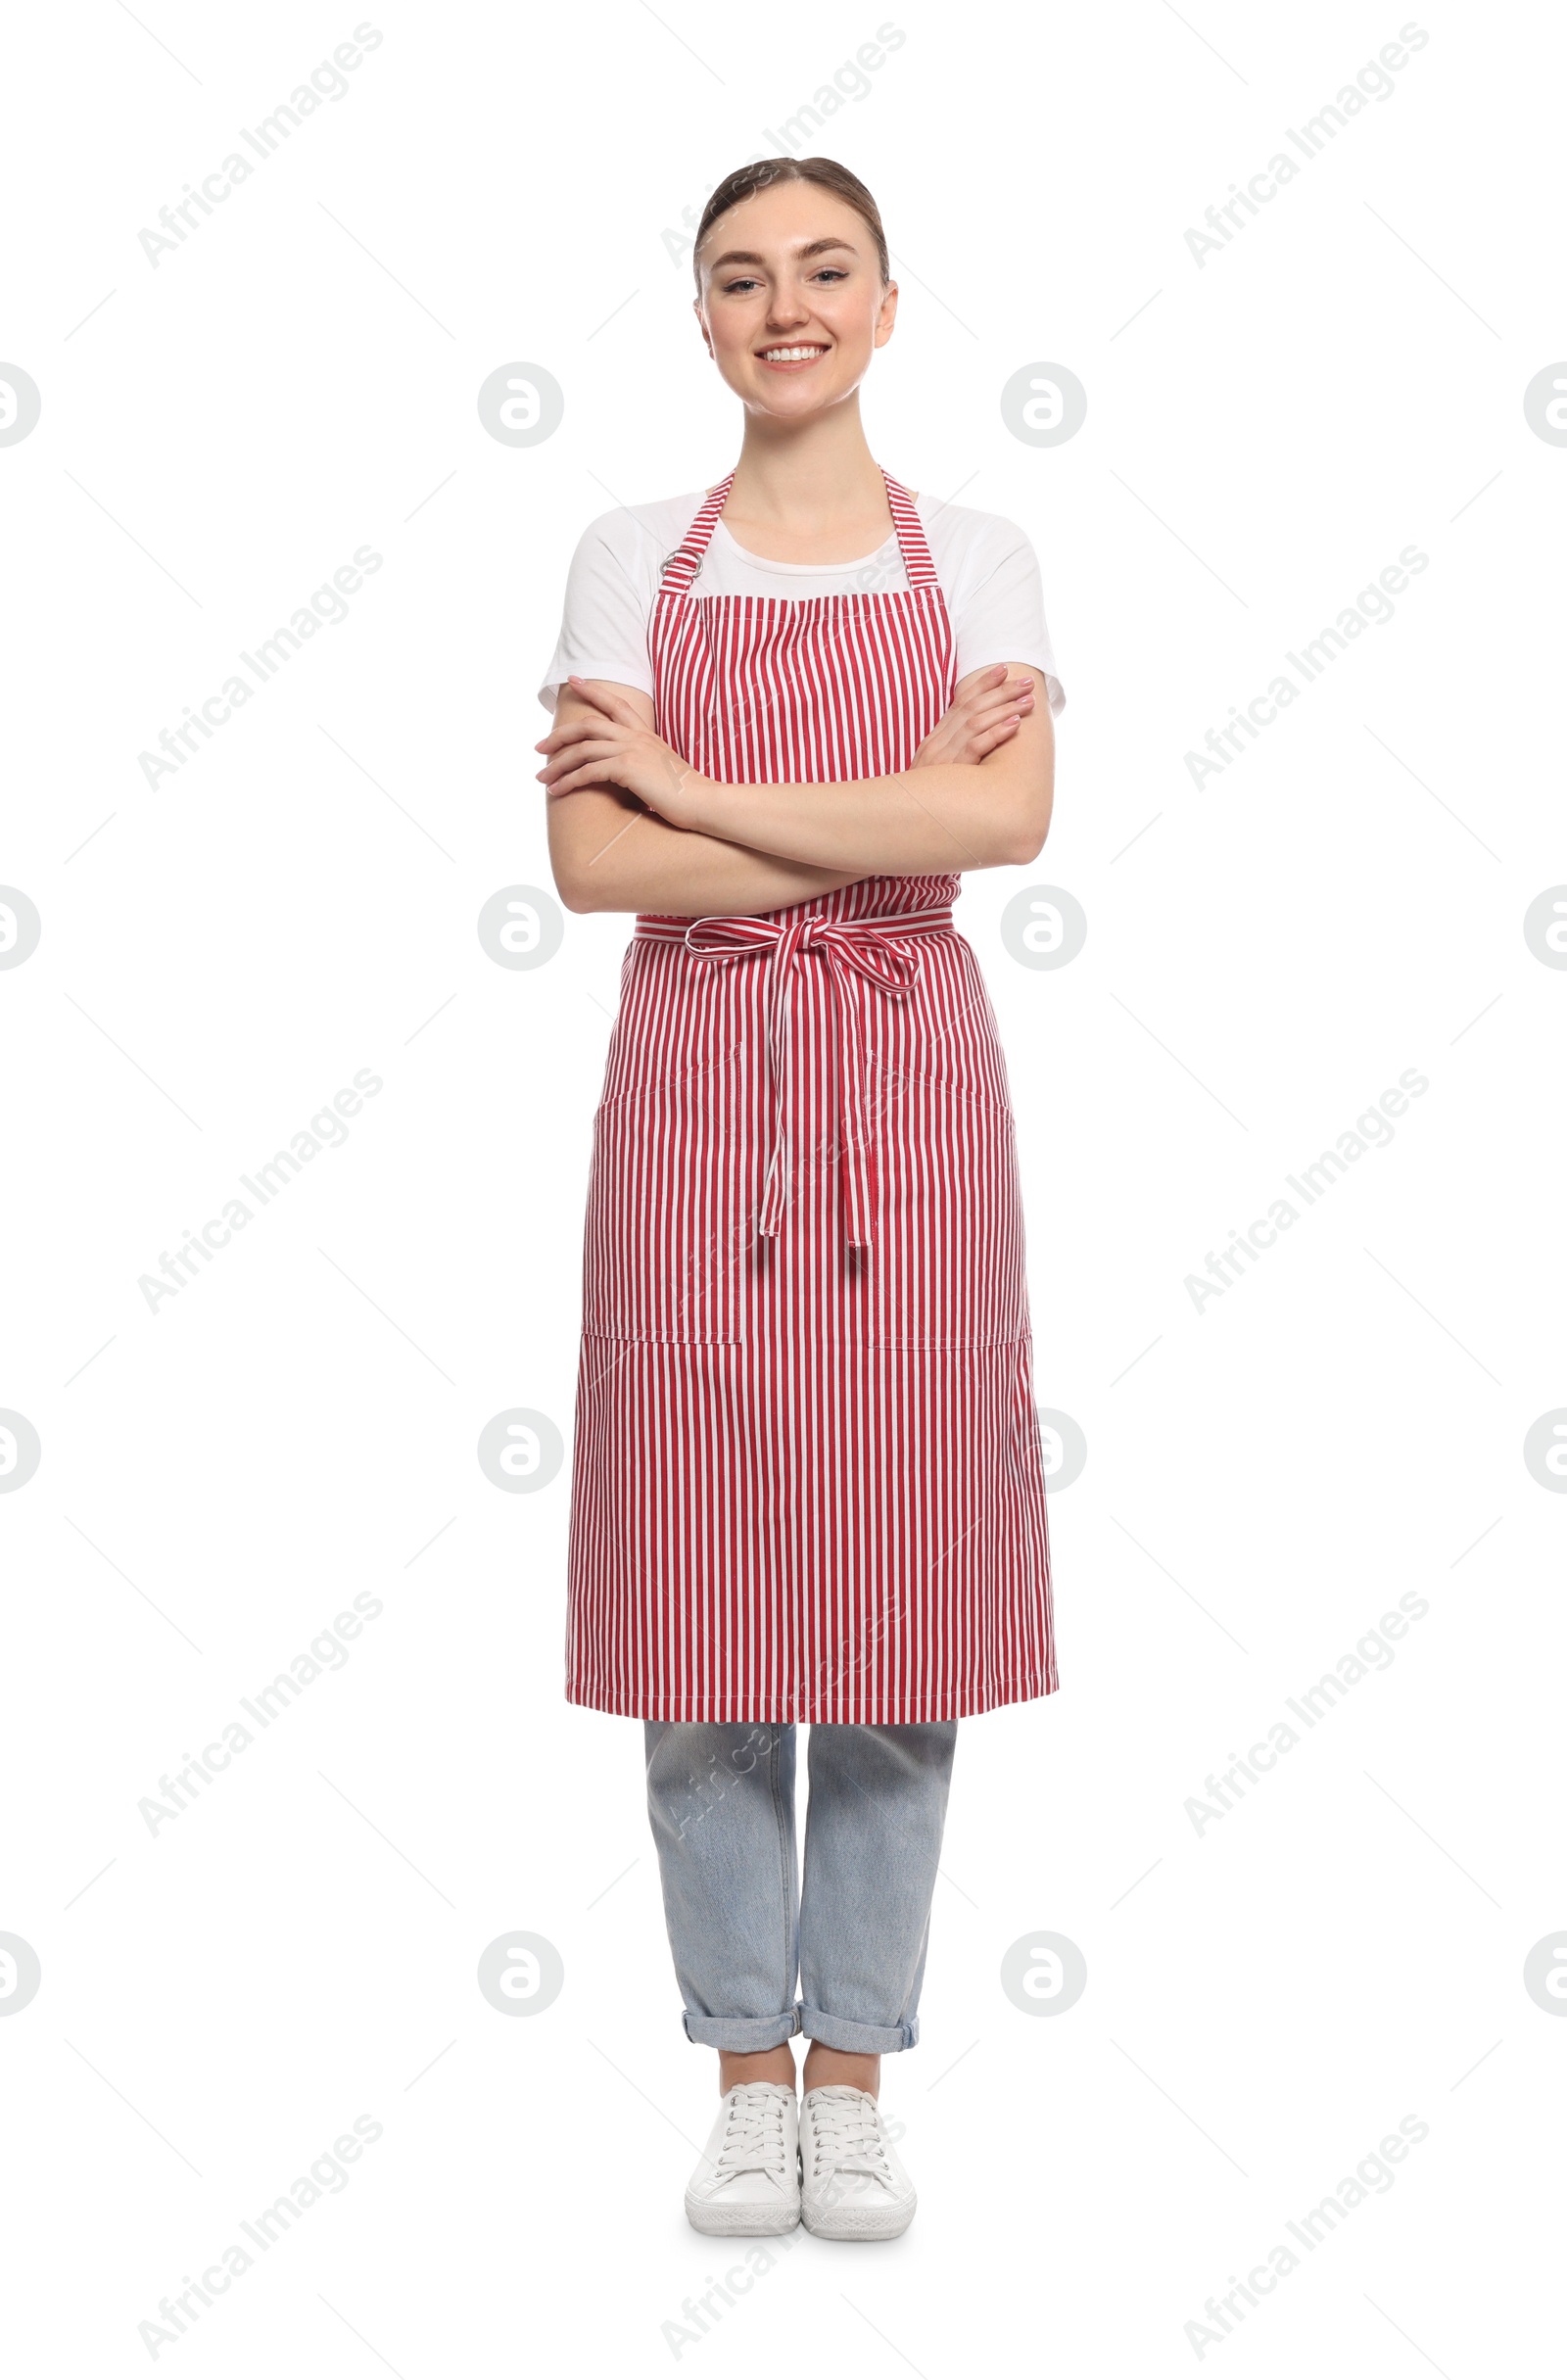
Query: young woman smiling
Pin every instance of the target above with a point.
(807, 1484)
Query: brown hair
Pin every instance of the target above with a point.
(763, 172)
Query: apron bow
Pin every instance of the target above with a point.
(859, 946)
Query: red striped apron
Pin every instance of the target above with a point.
(806, 1474)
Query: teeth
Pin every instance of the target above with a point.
(790, 355)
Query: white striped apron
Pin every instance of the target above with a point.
(806, 1473)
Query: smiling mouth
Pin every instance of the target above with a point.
(792, 358)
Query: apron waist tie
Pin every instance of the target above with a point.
(858, 944)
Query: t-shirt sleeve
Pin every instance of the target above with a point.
(603, 628)
(1000, 612)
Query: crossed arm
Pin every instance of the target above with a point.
(632, 827)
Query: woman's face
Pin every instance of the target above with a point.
(793, 305)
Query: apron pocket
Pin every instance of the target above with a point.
(667, 1223)
(947, 1267)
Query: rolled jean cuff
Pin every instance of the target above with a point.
(868, 2040)
(741, 2032)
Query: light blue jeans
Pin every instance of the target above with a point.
(721, 1800)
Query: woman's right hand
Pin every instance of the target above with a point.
(984, 715)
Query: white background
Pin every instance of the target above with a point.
(1266, 955)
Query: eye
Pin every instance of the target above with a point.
(746, 281)
(832, 273)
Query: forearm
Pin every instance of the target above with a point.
(609, 857)
(633, 826)
(928, 821)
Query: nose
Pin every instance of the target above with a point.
(787, 312)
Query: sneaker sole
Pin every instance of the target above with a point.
(741, 2223)
(857, 2223)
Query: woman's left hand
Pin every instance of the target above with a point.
(614, 749)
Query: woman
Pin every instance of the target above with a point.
(807, 1480)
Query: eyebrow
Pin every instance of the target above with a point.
(807, 247)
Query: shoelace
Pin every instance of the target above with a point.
(754, 2137)
(848, 2137)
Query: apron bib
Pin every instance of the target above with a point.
(807, 1480)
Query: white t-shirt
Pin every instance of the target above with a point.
(986, 567)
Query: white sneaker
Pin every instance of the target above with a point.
(852, 2185)
(748, 2183)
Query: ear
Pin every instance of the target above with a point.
(701, 324)
(887, 316)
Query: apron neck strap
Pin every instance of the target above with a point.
(681, 567)
(911, 534)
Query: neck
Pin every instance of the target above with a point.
(808, 473)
